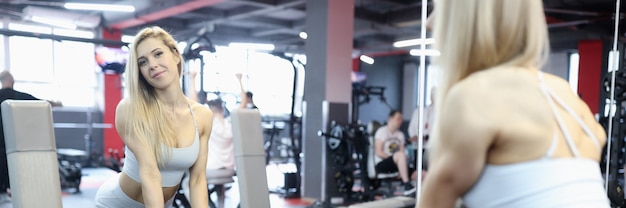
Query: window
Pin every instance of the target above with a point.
(73, 60)
(65, 71)
(37, 89)
(75, 71)
(2, 49)
(74, 33)
(31, 59)
(268, 77)
(271, 81)
(433, 78)
(573, 71)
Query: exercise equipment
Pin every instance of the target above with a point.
(250, 158)
(32, 155)
(615, 163)
(204, 44)
(70, 168)
(295, 129)
(348, 149)
(613, 159)
(361, 94)
(400, 202)
(377, 179)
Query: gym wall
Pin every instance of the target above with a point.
(386, 72)
(558, 64)
(74, 137)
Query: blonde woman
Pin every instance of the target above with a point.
(506, 134)
(165, 133)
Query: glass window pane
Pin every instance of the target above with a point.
(270, 78)
(75, 64)
(74, 33)
(77, 96)
(30, 28)
(31, 59)
(75, 72)
(39, 90)
(271, 81)
(2, 54)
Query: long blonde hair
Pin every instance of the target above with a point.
(475, 35)
(148, 121)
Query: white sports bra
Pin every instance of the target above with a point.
(179, 162)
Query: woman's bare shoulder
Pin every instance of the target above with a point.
(122, 111)
(123, 106)
(202, 111)
(556, 80)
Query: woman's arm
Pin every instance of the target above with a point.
(148, 169)
(244, 97)
(379, 149)
(197, 173)
(379, 144)
(460, 147)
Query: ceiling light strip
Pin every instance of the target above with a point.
(100, 7)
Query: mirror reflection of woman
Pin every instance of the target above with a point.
(164, 132)
(507, 134)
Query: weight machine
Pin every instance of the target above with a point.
(204, 44)
(348, 147)
(614, 165)
(295, 133)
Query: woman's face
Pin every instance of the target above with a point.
(157, 63)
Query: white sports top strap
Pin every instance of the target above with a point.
(552, 146)
(552, 97)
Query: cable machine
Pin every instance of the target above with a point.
(204, 44)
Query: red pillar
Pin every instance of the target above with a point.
(112, 96)
(590, 72)
(356, 67)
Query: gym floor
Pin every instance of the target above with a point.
(94, 177)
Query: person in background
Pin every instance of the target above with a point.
(220, 159)
(389, 150)
(7, 92)
(429, 112)
(164, 133)
(413, 130)
(507, 134)
(250, 101)
(246, 96)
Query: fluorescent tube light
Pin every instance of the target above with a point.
(253, 46)
(53, 22)
(413, 42)
(366, 59)
(100, 7)
(79, 19)
(128, 38)
(304, 35)
(427, 52)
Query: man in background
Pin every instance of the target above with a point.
(8, 93)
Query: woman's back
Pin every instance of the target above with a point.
(530, 162)
(524, 119)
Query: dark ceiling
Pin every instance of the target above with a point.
(378, 23)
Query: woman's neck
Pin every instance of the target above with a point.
(172, 99)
